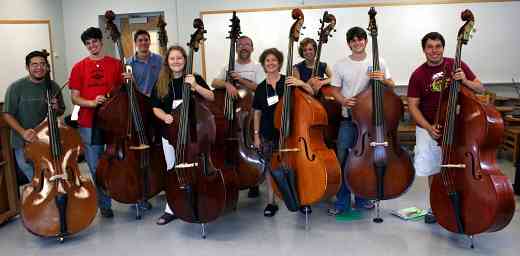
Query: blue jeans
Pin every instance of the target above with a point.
(25, 167)
(92, 154)
(346, 139)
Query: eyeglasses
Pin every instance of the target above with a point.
(37, 65)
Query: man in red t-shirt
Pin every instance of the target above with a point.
(90, 79)
(424, 90)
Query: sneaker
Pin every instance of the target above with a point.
(429, 218)
(270, 210)
(106, 213)
(334, 211)
(367, 205)
(165, 219)
(253, 192)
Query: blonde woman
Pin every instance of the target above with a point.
(167, 95)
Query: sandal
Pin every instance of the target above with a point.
(165, 219)
(270, 210)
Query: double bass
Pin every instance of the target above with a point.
(233, 121)
(300, 120)
(196, 190)
(378, 168)
(332, 107)
(59, 201)
(132, 169)
(470, 195)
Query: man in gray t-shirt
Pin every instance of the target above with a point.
(25, 106)
(247, 74)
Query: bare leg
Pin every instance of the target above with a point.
(271, 199)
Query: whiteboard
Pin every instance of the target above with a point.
(492, 53)
(19, 38)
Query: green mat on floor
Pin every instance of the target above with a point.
(350, 216)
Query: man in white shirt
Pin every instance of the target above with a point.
(351, 76)
(247, 75)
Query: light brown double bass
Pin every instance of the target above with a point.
(324, 95)
(196, 190)
(300, 120)
(132, 169)
(378, 168)
(59, 201)
(233, 120)
(470, 195)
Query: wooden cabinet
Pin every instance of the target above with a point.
(9, 204)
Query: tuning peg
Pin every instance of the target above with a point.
(474, 30)
(301, 34)
(334, 30)
(304, 27)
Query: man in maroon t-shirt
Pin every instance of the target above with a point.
(424, 90)
(90, 79)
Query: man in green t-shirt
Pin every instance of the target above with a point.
(25, 106)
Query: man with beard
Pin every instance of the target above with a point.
(247, 75)
(25, 106)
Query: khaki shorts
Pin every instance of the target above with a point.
(427, 157)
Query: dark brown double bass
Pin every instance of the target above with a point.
(332, 107)
(470, 195)
(196, 190)
(233, 118)
(378, 168)
(132, 169)
(59, 201)
(300, 120)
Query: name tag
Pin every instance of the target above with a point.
(176, 104)
(242, 93)
(272, 100)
